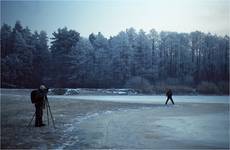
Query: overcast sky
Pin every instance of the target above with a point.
(112, 16)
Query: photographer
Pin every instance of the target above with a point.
(41, 97)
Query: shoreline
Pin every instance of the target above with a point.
(100, 92)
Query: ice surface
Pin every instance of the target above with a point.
(200, 122)
(172, 126)
(152, 128)
(151, 99)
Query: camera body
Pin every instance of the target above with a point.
(44, 92)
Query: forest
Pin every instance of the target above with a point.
(130, 59)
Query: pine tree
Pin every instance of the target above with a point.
(64, 56)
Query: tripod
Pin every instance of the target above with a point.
(48, 112)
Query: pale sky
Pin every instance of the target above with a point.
(113, 16)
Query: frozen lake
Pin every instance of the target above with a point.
(151, 99)
(200, 122)
(95, 122)
(173, 126)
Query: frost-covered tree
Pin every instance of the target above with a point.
(155, 41)
(17, 65)
(142, 55)
(83, 72)
(6, 33)
(64, 56)
(41, 58)
(102, 60)
(121, 51)
(73, 61)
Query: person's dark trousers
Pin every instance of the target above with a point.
(168, 100)
(38, 116)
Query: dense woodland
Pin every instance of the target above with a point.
(153, 59)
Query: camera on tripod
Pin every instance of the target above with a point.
(45, 91)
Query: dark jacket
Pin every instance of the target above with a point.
(40, 98)
(169, 93)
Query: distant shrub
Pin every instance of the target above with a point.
(58, 91)
(180, 89)
(8, 85)
(188, 80)
(223, 87)
(172, 81)
(176, 89)
(207, 88)
(140, 84)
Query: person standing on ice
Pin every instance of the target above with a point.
(40, 105)
(169, 96)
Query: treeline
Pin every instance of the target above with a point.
(165, 58)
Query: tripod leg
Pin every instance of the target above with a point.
(31, 120)
(51, 115)
(48, 107)
(47, 114)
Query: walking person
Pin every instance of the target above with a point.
(169, 96)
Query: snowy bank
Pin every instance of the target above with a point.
(91, 91)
